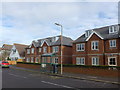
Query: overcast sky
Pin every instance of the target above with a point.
(23, 22)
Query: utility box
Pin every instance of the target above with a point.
(55, 68)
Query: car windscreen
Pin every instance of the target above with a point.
(4, 62)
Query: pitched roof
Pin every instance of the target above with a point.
(65, 41)
(6, 47)
(20, 48)
(103, 32)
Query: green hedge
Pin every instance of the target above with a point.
(74, 65)
(29, 63)
(88, 66)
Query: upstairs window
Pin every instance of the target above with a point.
(40, 49)
(88, 32)
(55, 49)
(28, 51)
(95, 45)
(14, 51)
(32, 50)
(112, 43)
(80, 47)
(44, 49)
(113, 29)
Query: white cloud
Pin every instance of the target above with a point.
(25, 21)
(60, 0)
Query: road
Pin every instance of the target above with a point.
(13, 78)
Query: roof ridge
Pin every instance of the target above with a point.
(7, 44)
(20, 44)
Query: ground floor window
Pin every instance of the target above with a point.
(112, 61)
(32, 59)
(28, 60)
(80, 60)
(37, 60)
(14, 58)
(56, 60)
(44, 59)
(95, 60)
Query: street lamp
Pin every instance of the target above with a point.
(61, 45)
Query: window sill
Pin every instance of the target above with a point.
(81, 51)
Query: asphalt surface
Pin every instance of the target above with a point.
(13, 78)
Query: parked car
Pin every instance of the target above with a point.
(5, 64)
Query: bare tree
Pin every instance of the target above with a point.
(4, 55)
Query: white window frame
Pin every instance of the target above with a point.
(80, 47)
(88, 32)
(44, 49)
(32, 59)
(32, 50)
(40, 49)
(109, 61)
(36, 60)
(79, 60)
(95, 58)
(27, 59)
(112, 43)
(45, 60)
(28, 51)
(55, 60)
(55, 49)
(113, 29)
(94, 43)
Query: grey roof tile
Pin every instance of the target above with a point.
(104, 32)
(66, 41)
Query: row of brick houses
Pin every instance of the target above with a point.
(100, 46)
(48, 50)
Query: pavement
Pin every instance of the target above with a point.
(110, 80)
(22, 78)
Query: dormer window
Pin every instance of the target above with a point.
(88, 32)
(54, 39)
(113, 29)
(14, 50)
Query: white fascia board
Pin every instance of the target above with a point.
(44, 42)
(31, 45)
(96, 34)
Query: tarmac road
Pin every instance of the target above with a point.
(13, 78)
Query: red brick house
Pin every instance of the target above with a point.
(100, 46)
(47, 50)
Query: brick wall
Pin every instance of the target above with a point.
(81, 70)
(103, 52)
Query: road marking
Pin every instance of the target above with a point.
(56, 84)
(16, 75)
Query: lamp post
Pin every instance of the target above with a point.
(61, 45)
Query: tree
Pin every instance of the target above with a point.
(5, 54)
